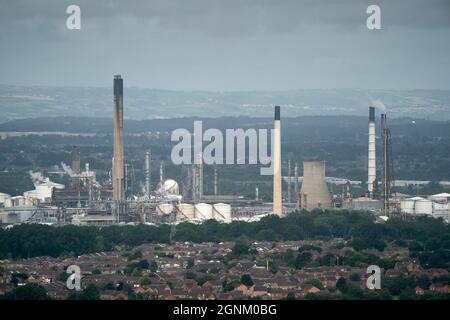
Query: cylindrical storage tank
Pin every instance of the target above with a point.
(222, 212)
(164, 208)
(3, 197)
(8, 203)
(203, 211)
(43, 192)
(424, 207)
(187, 210)
(407, 206)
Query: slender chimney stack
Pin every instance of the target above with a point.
(161, 177)
(148, 173)
(371, 168)
(216, 187)
(289, 200)
(277, 196)
(385, 171)
(296, 184)
(118, 167)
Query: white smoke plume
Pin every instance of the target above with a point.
(36, 177)
(379, 105)
(67, 169)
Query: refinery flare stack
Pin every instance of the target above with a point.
(277, 195)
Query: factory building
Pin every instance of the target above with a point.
(43, 191)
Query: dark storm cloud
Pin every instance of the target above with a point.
(227, 44)
(238, 17)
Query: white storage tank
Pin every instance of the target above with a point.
(3, 197)
(222, 212)
(170, 187)
(187, 210)
(441, 206)
(203, 211)
(164, 208)
(408, 205)
(424, 206)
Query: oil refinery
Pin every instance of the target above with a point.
(86, 201)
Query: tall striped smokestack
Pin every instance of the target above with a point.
(118, 167)
(277, 198)
(371, 168)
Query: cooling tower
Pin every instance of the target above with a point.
(118, 167)
(314, 192)
(277, 200)
(371, 167)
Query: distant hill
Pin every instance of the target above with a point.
(316, 127)
(19, 102)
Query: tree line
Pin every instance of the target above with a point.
(427, 238)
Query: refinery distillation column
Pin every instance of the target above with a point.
(277, 200)
(371, 168)
(148, 173)
(118, 167)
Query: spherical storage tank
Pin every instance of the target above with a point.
(164, 208)
(424, 207)
(203, 211)
(187, 210)
(171, 186)
(222, 211)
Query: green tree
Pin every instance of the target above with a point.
(303, 259)
(341, 285)
(247, 280)
(99, 243)
(355, 277)
(241, 247)
(153, 266)
(30, 291)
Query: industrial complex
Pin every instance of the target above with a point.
(86, 201)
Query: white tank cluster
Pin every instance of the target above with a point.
(417, 205)
(204, 211)
(437, 205)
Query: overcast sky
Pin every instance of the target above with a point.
(227, 44)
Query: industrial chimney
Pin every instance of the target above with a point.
(277, 196)
(148, 173)
(371, 168)
(314, 192)
(118, 167)
(386, 170)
